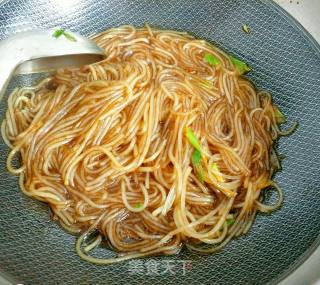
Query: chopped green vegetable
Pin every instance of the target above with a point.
(230, 222)
(197, 166)
(199, 172)
(211, 59)
(138, 205)
(70, 37)
(216, 168)
(196, 157)
(192, 139)
(59, 32)
(246, 29)
(241, 66)
(279, 116)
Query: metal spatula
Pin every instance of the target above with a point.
(44, 50)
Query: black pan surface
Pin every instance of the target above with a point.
(285, 61)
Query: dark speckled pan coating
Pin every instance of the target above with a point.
(285, 60)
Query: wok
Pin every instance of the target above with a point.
(285, 61)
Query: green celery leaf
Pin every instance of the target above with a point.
(193, 139)
(58, 33)
(241, 66)
(211, 59)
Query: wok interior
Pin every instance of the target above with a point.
(284, 62)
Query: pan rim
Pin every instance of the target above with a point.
(301, 260)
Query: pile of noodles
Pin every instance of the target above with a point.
(105, 146)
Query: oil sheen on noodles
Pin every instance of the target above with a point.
(151, 149)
